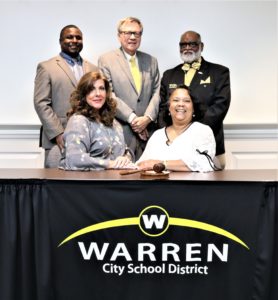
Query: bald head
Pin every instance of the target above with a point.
(193, 34)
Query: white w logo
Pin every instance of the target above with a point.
(151, 220)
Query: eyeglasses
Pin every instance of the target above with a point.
(190, 44)
(128, 34)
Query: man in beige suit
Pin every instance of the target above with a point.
(137, 95)
(54, 82)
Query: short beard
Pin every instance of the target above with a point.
(189, 58)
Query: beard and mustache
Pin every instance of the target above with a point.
(190, 56)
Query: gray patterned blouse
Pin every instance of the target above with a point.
(89, 145)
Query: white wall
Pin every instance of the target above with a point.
(239, 34)
(247, 147)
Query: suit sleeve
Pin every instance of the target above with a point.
(43, 103)
(163, 100)
(123, 110)
(153, 107)
(217, 111)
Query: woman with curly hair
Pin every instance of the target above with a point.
(93, 138)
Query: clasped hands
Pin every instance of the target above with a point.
(139, 125)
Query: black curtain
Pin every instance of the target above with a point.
(25, 264)
(36, 215)
(274, 271)
(245, 208)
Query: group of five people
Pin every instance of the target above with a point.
(119, 106)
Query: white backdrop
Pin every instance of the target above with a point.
(239, 34)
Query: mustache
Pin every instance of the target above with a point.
(186, 52)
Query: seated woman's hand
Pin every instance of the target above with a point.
(148, 164)
(121, 162)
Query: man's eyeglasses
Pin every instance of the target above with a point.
(191, 45)
(128, 34)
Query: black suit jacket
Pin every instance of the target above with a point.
(211, 86)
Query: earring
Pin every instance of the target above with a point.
(193, 116)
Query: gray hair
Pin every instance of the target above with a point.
(129, 19)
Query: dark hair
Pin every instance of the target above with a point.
(80, 106)
(199, 109)
(65, 28)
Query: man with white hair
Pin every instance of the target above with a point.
(209, 83)
(135, 81)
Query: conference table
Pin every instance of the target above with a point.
(102, 235)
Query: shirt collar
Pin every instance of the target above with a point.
(128, 56)
(72, 61)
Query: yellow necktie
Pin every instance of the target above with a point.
(135, 74)
(191, 70)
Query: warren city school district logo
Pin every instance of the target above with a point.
(154, 221)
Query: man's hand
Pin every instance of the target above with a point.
(144, 135)
(139, 124)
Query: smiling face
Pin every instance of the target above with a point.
(181, 107)
(97, 96)
(130, 36)
(71, 41)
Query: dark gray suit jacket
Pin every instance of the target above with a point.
(210, 86)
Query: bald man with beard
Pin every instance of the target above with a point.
(209, 83)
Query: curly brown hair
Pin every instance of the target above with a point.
(79, 105)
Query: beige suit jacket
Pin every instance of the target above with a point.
(115, 67)
(54, 83)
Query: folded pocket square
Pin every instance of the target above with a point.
(205, 81)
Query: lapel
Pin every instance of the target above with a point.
(85, 66)
(201, 74)
(65, 67)
(124, 65)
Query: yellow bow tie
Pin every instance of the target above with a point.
(190, 70)
(196, 66)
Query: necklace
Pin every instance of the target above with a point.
(169, 141)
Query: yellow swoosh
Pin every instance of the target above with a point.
(207, 227)
(172, 221)
(102, 225)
